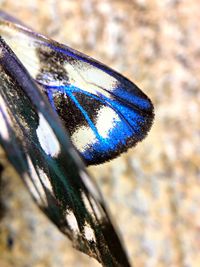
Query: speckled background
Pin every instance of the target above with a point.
(153, 191)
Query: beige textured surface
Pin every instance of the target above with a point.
(153, 191)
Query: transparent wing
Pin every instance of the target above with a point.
(104, 112)
(40, 151)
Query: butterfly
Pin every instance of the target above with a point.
(103, 112)
(44, 86)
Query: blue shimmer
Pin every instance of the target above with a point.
(119, 134)
(130, 97)
(126, 114)
(129, 125)
(85, 114)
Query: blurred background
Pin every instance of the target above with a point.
(153, 191)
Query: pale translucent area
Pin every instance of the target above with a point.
(154, 190)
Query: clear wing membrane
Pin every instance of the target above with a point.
(40, 150)
(104, 112)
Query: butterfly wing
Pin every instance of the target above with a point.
(40, 151)
(104, 112)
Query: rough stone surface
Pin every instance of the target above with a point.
(153, 191)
